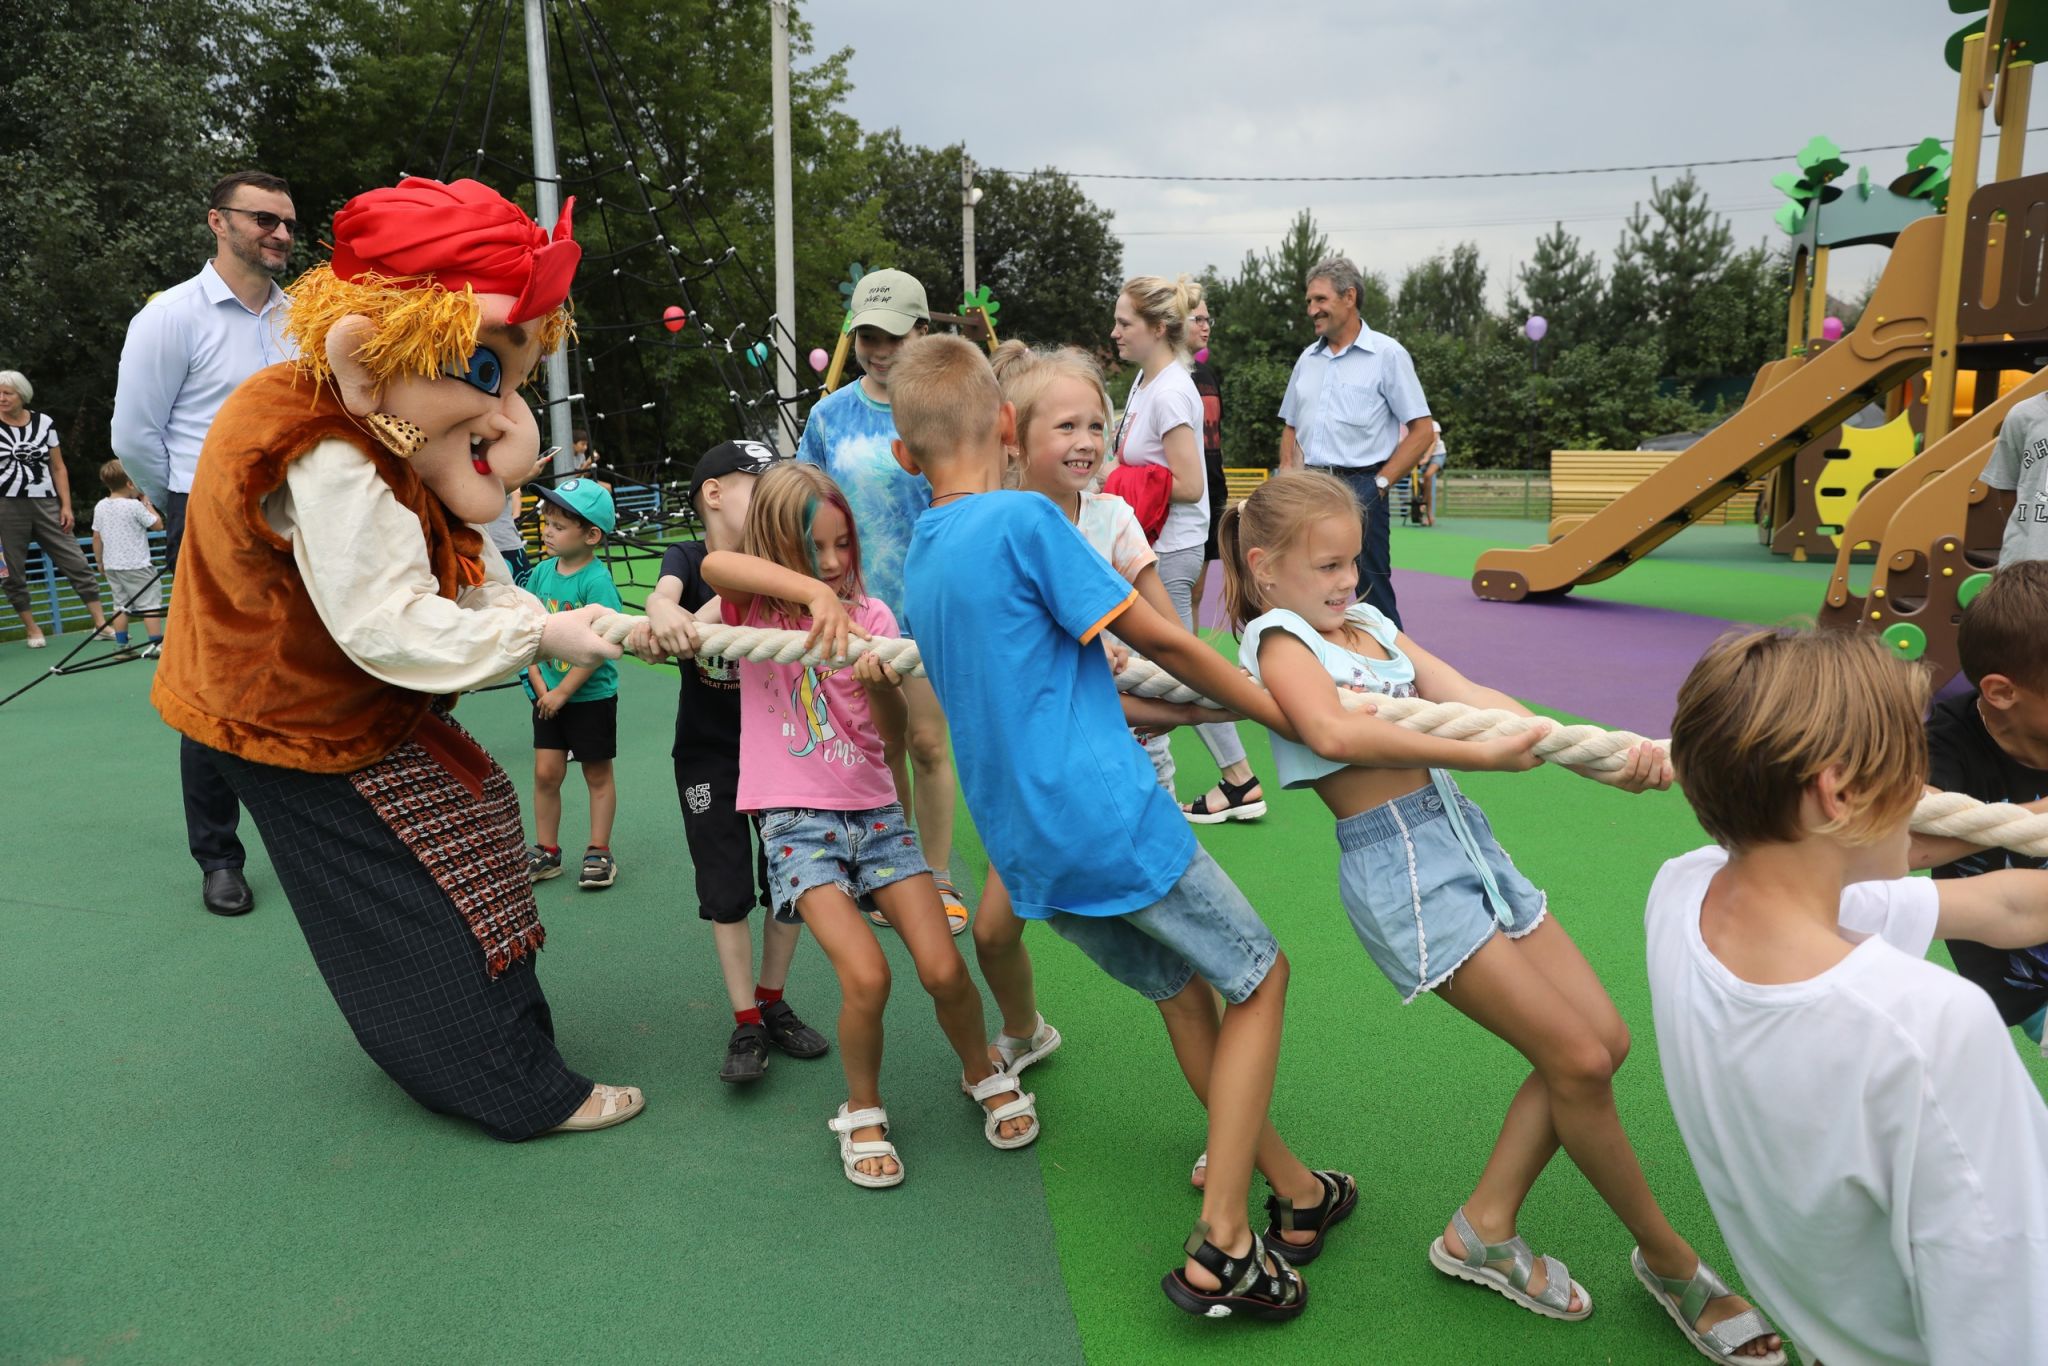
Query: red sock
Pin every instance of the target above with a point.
(764, 996)
(549, 848)
(751, 1015)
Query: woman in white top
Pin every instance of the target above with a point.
(1162, 425)
(35, 502)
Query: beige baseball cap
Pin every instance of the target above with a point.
(892, 300)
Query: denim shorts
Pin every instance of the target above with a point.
(1203, 927)
(856, 850)
(1417, 893)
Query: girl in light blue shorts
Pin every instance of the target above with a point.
(1441, 908)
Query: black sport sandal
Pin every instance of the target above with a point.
(1247, 1287)
(1340, 1197)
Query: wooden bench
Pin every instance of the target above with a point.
(1240, 480)
(1583, 483)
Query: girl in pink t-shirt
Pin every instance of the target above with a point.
(812, 772)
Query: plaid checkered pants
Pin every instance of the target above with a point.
(401, 961)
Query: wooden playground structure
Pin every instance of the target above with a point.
(1965, 292)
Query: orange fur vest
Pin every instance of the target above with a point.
(248, 667)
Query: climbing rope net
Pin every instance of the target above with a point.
(1591, 751)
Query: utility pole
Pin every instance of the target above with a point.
(969, 197)
(547, 200)
(785, 236)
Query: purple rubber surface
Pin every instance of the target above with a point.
(1609, 662)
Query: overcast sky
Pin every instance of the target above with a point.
(1279, 87)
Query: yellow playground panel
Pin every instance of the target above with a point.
(1865, 455)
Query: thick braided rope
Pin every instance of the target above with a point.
(1588, 749)
(767, 645)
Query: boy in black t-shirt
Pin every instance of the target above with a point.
(1992, 744)
(732, 875)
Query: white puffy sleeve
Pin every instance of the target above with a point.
(366, 568)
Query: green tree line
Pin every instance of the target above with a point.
(116, 117)
(1678, 309)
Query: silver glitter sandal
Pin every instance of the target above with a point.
(1683, 1300)
(1552, 1302)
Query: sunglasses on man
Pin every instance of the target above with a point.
(266, 221)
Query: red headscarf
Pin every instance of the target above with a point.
(464, 233)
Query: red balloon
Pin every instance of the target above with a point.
(673, 318)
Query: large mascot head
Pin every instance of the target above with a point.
(437, 306)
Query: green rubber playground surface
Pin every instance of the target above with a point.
(206, 1168)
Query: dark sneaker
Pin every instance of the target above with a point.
(541, 865)
(746, 1055)
(790, 1034)
(599, 871)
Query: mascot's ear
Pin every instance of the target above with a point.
(359, 393)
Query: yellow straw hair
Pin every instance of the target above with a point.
(421, 331)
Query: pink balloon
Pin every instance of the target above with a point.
(1202, 356)
(1536, 327)
(1831, 329)
(819, 360)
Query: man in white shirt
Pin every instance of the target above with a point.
(187, 350)
(1873, 1149)
(1348, 401)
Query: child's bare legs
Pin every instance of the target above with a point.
(550, 766)
(920, 759)
(1005, 966)
(914, 910)
(863, 973)
(604, 801)
(120, 623)
(153, 623)
(1198, 1045)
(735, 944)
(1540, 995)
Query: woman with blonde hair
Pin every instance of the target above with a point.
(1162, 426)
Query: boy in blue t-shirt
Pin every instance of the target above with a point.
(575, 711)
(848, 435)
(1068, 807)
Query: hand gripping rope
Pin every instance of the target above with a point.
(1588, 750)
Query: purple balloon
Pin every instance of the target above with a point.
(1202, 356)
(1831, 329)
(1536, 327)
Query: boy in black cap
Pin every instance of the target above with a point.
(732, 877)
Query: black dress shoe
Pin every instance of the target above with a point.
(226, 892)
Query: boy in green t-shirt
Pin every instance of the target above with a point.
(575, 711)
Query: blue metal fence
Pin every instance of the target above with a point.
(56, 608)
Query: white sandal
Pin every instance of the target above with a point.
(1024, 1107)
(1018, 1054)
(852, 1152)
(617, 1104)
(1201, 1170)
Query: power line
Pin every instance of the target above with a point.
(1469, 175)
(1730, 211)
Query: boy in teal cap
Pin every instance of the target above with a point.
(575, 711)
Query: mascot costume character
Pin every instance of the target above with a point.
(333, 598)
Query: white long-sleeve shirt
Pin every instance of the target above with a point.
(187, 350)
(365, 565)
(1875, 1153)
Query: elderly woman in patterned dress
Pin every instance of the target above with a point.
(35, 503)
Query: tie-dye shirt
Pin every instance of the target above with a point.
(848, 436)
